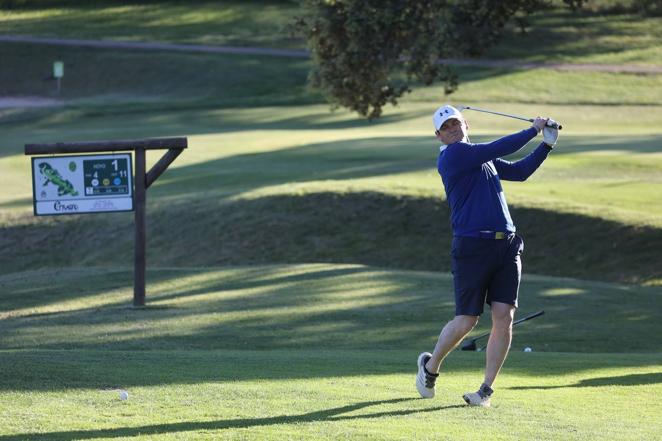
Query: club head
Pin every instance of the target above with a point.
(469, 346)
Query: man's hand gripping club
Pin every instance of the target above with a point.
(549, 129)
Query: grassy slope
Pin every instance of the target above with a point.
(584, 38)
(106, 79)
(332, 189)
(230, 23)
(121, 81)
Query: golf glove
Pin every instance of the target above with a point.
(550, 134)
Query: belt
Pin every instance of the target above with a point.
(494, 235)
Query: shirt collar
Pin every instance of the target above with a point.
(443, 146)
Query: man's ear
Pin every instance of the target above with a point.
(466, 124)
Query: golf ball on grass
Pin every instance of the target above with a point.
(527, 349)
(124, 395)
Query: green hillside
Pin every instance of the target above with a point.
(297, 184)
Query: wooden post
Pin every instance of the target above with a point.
(158, 168)
(106, 146)
(140, 245)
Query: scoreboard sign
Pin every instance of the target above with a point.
(82, 184)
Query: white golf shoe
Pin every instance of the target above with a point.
(425, 381)
(476, 399)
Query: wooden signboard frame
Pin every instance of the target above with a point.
(142, 181)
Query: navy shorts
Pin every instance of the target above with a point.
(485, 271)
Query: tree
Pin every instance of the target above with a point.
(367, 53)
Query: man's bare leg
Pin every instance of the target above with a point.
(451, 335)
(500, 338)
(497, 350)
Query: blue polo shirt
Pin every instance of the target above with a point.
(471, 175)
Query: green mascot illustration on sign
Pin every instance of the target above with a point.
(51, 175)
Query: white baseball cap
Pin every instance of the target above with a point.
(444, 113)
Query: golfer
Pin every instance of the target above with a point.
(486, 252)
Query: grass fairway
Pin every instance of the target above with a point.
(322, 394)
(312, 352)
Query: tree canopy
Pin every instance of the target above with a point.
(367, 53)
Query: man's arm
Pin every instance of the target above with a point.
(464, 156)
(525, 167)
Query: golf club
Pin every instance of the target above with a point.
(470, 345)
(555, 126)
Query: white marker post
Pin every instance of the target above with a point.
(58, 73)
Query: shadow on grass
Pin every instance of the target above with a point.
(587, 26)
(326, 415)
(99, 369)
(335, 307)
(368, 228)
(250, 303)
(624, 380)
(16, 203)
(138, 121)
(299, 308)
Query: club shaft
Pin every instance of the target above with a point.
(529, 317)
(508, 115)
(516, 322)
(499, 113)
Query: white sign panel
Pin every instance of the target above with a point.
(58, 69)
(82, 184)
